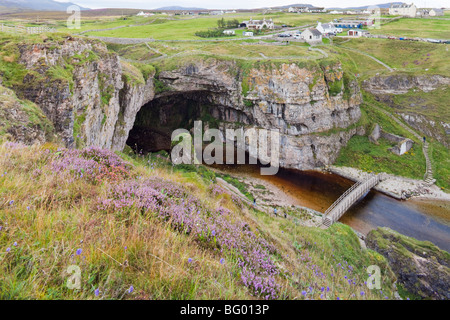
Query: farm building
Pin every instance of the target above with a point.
(247, 34)
(230, 32)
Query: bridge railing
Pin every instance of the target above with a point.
(346, 200)
(346, 193)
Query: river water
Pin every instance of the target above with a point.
(423, 220)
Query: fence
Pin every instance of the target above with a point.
(28, 30)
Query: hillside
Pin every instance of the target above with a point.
(43, 5)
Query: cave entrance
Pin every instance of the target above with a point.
(157, 119)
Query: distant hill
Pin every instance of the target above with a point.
(294, 5)
(382, 6)
(42, 5)
(178, 8)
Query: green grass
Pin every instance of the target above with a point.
(440, 162)
(185, 29)
(410, 27)
(131, 247)
(362, 154)
(433, 104)
(410, 56)
(241, 186)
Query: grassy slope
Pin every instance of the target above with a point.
(362, 154)
(410, 27)
(53, 217)
(408, 56)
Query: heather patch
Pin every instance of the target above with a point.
(92, 164)
(212, 228)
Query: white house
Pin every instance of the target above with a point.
(144, 14)
(328, 28)
(336, 12)
(408, 10)
(230, 32)
(436, 12)
(312, 36)
(258, 24)
(298, 9)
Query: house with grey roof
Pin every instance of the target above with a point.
(403, 9)
(436, 12)
(328, 28)
(312, 36)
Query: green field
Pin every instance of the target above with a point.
(409, 56)
(415, 27)
(184, 29)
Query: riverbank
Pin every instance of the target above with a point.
(400, 188)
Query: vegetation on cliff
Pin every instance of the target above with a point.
(137, 229)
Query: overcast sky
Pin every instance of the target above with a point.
(239, 4)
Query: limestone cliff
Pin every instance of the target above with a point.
(93, 98)
(82, 89)
(303, 102)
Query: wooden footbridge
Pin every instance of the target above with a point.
(348, 198)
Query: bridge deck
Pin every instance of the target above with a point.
(353, 194)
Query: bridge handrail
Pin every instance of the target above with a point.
(353, 187)
(348, 191)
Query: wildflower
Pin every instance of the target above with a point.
(11, 202)
(304, 292)
(338, 298)
(28, 208)
(78, 252)
(15, 244)
(190, 260)
(362, 293)
(8, 249)
(97, 292)
(126, 248)
(1, 228)
(213, 233)
(222, 261)
(131, 289)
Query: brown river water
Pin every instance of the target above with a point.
(421, 219)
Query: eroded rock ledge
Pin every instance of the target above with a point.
(92, 98)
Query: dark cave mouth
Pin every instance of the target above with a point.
(156, 120)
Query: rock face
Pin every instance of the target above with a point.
(81, 88)
(421, 267)
(401, 83)
(23, 121)
(93, 98)
(303, 103)
(439, 130)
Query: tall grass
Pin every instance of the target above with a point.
(50, 219)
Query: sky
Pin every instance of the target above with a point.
(239, 4)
